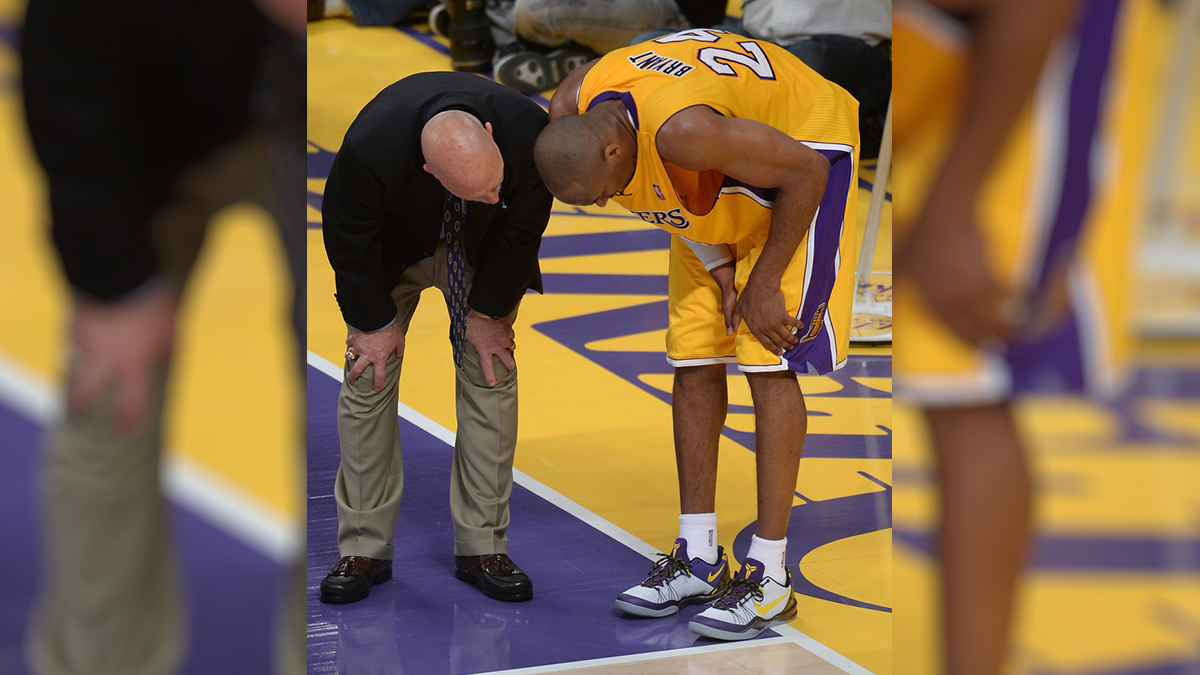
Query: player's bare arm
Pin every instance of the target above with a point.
(566, 97)
(700, 139)
(1009, 43)
(946, 256)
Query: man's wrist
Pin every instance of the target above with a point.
(484, 316)
(368, 332)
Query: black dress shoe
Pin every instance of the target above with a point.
(352, 578)
(496, 575)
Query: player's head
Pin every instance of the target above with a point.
(460, 153)
(582, 160)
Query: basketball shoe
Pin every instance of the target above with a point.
(675, 581)
(748, 605)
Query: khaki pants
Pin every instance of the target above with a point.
(370, 477)
(112, 602)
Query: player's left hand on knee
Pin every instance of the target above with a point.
(491, 337)
(763, 309)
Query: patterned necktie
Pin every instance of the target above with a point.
(455, 248)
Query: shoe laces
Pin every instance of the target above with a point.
(734, 591)
(666, 569)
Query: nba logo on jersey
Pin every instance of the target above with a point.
(814, 328)
(658, 192)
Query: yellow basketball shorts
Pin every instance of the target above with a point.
(818, 288)
(1057, 230)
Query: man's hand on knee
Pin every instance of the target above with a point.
(120, 345)
(373, 349)
(491, 337)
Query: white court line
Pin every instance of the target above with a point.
(422, 422)
(25, 392)
(557, 499)
(199, 490)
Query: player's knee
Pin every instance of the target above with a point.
(773, 384)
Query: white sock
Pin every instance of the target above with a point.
(700, 531)
(771, 553)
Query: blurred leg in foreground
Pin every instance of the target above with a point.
(985, 495)
(145, 124)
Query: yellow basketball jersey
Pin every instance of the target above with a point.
(737, 77)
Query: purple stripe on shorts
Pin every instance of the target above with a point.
(1095, 34)
(1054, 363)
(815, 355)
(622, 96)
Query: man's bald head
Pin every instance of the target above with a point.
(570, 157)
(460, 153)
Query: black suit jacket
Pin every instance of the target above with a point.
(118, 102)
(382, 211)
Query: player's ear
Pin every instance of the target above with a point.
(612, 151)
(427, 169)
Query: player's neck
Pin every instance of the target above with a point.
(616, 114)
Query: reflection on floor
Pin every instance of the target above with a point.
(425, 621)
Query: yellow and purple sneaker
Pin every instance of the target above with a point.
(675, 581)
(749, 603)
